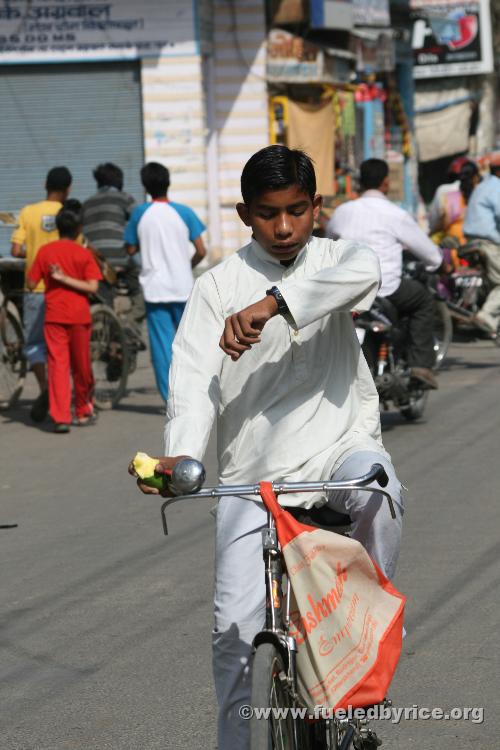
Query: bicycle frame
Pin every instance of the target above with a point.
(276, 630)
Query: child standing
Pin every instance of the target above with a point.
(70, 274)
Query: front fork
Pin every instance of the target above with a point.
(277, 616)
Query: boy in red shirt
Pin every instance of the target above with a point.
(70, 274)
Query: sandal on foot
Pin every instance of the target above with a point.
(84, 421)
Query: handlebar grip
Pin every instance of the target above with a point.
(380, 475)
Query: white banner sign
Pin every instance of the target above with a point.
(72, 30)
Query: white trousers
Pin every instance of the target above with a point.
(490, 311)
(240, 585)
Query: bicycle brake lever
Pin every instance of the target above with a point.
(164, 515)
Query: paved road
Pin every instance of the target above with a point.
(105, 624)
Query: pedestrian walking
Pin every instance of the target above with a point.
(168, 236)
(105, 215)
(70, 274)
(36, 227)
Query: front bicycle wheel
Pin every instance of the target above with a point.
(275, 729)
(109, 355)
(12, 360)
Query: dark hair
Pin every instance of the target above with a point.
(58, 178)
(108, 175)
(69, 219)
(277, 168)
(72, 204)
(156, 179)
(372, 173)
(467, 176)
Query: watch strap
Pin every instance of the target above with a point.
(280, 300)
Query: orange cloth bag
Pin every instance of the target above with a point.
(346, 616)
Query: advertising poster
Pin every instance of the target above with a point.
(450, 38)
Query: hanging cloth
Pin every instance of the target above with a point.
(311, 127)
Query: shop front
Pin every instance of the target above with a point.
(454, 97)
(87, 82)
(341, 105)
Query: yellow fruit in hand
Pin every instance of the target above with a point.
(144, 467)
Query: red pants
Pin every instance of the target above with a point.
(68, 350)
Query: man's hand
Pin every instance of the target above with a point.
(242, 330)
(164, 466)
(17, 250)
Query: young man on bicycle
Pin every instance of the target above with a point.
(267, 344)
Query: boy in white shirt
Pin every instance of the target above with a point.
(168, 236)
(267, 344)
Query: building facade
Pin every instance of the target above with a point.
(200, 85)
(182, 83)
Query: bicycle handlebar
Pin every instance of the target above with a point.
(376, 473)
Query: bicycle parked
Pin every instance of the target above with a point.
(13, 365)
(116, 337)
(274, 681)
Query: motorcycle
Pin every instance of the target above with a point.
(465, 288)
(383, 335)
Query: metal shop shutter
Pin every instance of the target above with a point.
(76, 115)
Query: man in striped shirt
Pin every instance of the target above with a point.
(106, 213)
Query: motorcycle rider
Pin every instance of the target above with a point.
(482, 222)
(388, 229)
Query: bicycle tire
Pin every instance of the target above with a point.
(13, 365)
(268, 692)
(443, 332)
(109, 356)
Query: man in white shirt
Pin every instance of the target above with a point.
(388, 229)
(268, 347)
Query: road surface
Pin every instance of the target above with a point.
(105, 624)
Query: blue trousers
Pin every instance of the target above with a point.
(163, 319)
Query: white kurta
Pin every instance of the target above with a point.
(295, 405)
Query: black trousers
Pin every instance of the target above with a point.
(412, 299)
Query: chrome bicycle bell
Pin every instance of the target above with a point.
(187, 477)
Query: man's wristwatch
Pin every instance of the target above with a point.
(280, 300)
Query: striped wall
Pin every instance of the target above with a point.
(174, 125)
(240, 103)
